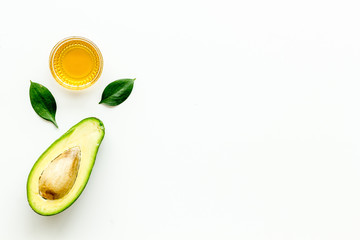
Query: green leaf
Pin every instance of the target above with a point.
(43, 102)
(117, 92)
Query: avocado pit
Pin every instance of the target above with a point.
(60, 175)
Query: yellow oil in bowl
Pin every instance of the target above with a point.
(76, 63)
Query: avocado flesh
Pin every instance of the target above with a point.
(87, 135)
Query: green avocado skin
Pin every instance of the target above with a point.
(65, 135)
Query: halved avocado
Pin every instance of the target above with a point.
(60, 174)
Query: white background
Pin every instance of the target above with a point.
(244, 121)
